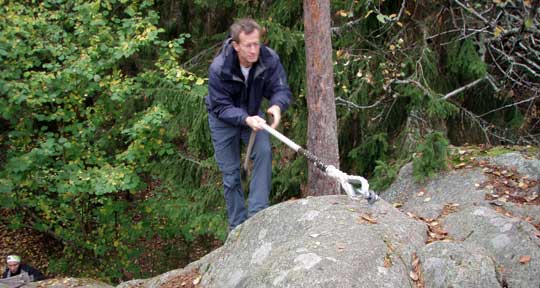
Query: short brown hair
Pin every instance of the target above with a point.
(246, 25)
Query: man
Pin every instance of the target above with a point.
(16, 268)
(242, 74)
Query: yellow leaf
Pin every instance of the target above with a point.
(199, 81)
(498, 31)
(342, 13)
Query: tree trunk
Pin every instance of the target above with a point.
(322, 127)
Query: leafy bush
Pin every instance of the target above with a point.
(86, 128)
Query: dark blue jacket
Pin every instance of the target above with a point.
(231, 100)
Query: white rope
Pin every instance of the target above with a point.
(346, 182)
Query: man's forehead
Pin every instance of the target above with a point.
(254, 35)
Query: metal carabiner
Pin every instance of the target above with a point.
(364, 190)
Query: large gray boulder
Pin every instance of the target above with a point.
(317, 242)
(509, 241)
(524, 165)
(427, 200)
(332, 241)
(454, 264)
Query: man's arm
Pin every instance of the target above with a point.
(221, 102)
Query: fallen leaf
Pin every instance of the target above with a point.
(197, 280)
(427, 199)
(411, 215)
(397, 205)
(420, 194)
(413, 276)
(460, 165)
(369, 219)
(537, 233)
(387, 261)
(524, 259)
(415, 262)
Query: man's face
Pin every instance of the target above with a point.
(13, 266)
(249, 48)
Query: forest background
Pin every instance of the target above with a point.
(104, 144)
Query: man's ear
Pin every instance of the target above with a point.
(235, 46)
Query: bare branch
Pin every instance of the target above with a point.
(470, 10)
(513, 61)
(461, 89)
(349, 104)
(510, 105)
(338, 30)
(408, 81)
(193, 61)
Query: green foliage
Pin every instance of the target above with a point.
(464, 62)
(87, 127)
(384, 175)
(288, 179)
(374, 149)
(431, 156)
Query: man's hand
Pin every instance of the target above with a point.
(255, 122)
(275, 111)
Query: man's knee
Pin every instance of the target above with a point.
(231, 179)
(263, 150)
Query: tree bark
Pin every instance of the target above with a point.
(322, 123)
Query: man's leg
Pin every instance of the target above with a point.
(226, 140)
(261, 179)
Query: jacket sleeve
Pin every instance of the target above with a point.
(221, 102)
(279, 92)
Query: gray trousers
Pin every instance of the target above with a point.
(226, 139)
